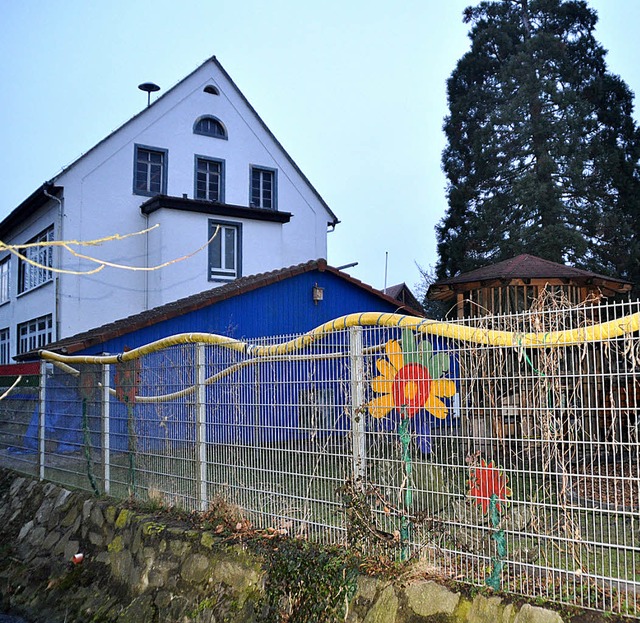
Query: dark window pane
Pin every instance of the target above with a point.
(141, 177)
(208, 180)
(213, 189)
(201, 188)
(229, 248)
(155, 179)
(210, 127)
(262, 183)
(255, 187)
(216, 250)
(149, 171)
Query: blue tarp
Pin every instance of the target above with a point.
(273, 403)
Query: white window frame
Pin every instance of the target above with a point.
(32, 276)
(263, 187)
(5, 279)
(220, 268)
(144, 164)
(205, 176)
(35, 333)
(5, 346)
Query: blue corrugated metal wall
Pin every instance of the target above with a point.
(280, 308)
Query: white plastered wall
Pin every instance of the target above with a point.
(99, 202)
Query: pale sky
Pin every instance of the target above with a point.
(353, 89)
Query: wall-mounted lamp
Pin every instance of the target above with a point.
(318, 294)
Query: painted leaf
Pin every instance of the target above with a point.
(438, 365)
(409, 348)
(425, 352)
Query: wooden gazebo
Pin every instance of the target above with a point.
(509, 405)
(511, 286)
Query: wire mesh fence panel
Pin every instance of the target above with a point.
(19, 409)
(545, 468)
(500, 450)
(278, 434)
(153, 427)
(67, 428)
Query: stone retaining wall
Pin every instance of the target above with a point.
(148, 568)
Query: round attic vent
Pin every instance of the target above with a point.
(211, 90)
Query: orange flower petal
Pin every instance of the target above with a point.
(394, 354)
(380, 406)
(445, 388)
(436, 407)
(382, 385)
(386, 369)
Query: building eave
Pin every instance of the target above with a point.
(36, 200)
(212, 208)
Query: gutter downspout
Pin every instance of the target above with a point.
(146, 263)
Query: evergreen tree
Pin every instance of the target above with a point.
(543, 151)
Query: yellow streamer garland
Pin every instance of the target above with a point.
(65, 244)
(449, 330)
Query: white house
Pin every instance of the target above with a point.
(197, 165)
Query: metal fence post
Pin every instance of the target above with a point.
(106, 454)
(201, 427)
(356, 369)
(42, 419)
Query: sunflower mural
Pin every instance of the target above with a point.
(411, 385)
(411, 389)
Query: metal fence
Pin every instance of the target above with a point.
(501, 450)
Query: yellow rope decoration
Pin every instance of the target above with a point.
(66, 244)
(449, 330)
(452, 331)
(8, 391)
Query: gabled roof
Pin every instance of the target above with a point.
(401, 292)
(28, 206)
(523, 267)
(198, 301)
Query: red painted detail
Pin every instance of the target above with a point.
(24, 369)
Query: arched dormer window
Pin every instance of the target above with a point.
(210, 126)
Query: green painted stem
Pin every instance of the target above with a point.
(494, 580)
(405, 523)
(87, 447)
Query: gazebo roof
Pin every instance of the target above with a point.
(524, 268)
